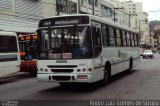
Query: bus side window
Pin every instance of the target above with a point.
(118, 39)
(124, 38)
(96, 34)
(121, 37)
(137, 37)
(111, 36)
(104, 36)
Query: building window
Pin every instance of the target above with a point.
(105, 11)
(6, 4)
(83, 2)
(90, 2)
(96, 3)
(133, 4)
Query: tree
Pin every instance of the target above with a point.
(152, 25)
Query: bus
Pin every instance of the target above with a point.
(9, 53)
(28, 53)
(84, 48)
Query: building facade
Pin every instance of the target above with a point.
(137, 18)
(22, 16)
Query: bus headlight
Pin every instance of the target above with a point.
(46, 70)
(90, 69)
(78, 70)
(41, 69)
(84, 69)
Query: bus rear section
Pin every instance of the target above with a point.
(28, 53)
(9, 53)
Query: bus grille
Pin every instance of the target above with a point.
(62, 70)
(61, 78)
(62, 66)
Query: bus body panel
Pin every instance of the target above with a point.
(63, 69)
(9, 60)
(12, 67)
(28, 66)
(118, 57)
(28, 53)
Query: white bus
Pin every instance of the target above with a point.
(84, 48)
(9, 53)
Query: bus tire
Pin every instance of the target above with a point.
(107, 71)
(130, 70)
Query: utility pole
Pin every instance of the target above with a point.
(58, 6)
(140, 29)
(129, 20)
(150, 35)
(114, 13)
(145, 20)
(93, 4)
(93, 7)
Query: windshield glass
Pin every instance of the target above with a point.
(147, 51)
(66, 43)
(28, 49)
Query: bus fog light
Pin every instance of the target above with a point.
(41, 69)
(84, 70)
(78, 70)
(90, 69)
(82, 77)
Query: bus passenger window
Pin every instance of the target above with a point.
(118, 39)
(105, 36)
(111, 36)
(96, 36)
(96, 41)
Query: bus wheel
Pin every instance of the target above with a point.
(130, 70)
(106, 75)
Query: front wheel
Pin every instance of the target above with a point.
(106, 77)
(130, 70)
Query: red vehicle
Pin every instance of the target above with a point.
(28, 53)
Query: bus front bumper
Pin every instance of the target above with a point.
(84, 78)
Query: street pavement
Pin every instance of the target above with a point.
(142, 84)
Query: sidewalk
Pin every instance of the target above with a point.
(15, 74)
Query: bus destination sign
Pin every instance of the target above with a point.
(58, 21)
(67, 22)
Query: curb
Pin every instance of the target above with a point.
(14, 75)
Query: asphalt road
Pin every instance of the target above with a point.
(142, 84)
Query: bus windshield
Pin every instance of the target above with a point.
(28, 47)
(66, 43)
